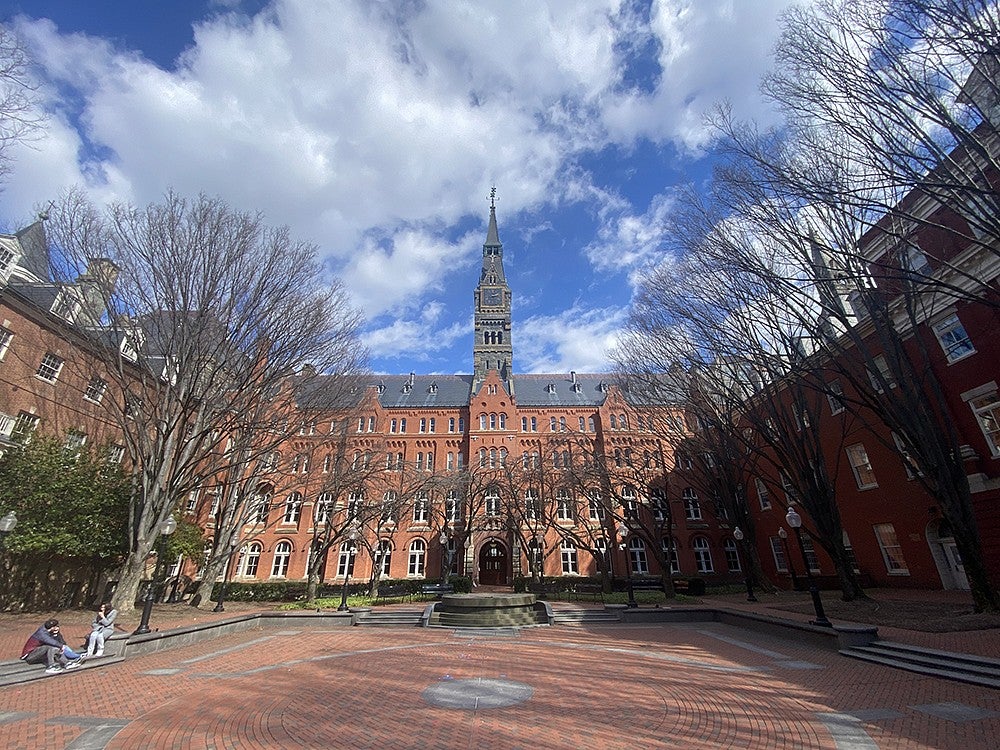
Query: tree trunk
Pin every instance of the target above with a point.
(128, 584)
(206, 593)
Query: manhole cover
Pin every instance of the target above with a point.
(477, 693)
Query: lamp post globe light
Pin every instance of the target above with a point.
(166, 528)
(7, 524)
(739, 536)
(623, 544)
(352, 539)
(788, 557)
(794, 521)
(234, 542)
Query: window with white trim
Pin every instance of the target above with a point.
(595, 506)
(25, 425)
(987, 411)
(95, 390)
(421, 507)
(670, 553)
(835, 396)
(864, 475)
(249, 560)
(568, 556)
(702, 555)
(50, 367)
(732, 556)
(261, 506)
(452, 508)
(282, 554)
(418, 555)
(637, 556)
(293, 508)
(892, 551)
(384, 558)
(564, 506)
(909, 465)
(345, 560)
(692, 507)
(778, 553)
(6, 337)
(880, 373)
(763, 495)
(953, 338)
(492, 502)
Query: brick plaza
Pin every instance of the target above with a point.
(687, 686)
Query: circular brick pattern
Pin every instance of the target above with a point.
(477, 693)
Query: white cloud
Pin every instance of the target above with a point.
(576, 339)
(630, 241)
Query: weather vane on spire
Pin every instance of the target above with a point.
(493, 197)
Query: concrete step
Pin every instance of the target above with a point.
(493, 619)
(585, 617)
(944, 664)
(395, 618)
(17, 672)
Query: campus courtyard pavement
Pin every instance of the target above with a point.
(699, 685)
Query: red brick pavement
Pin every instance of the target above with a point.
(688, 686)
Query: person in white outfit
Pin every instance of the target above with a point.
(103, 628)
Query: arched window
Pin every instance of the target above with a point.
(421, 507)
(249, 560)
(732, 555)
(482, 421)
(282, 554)
(503, 421)
(532, 509)
(614, 422)
(670, 553)
(702, 555)
(324, 506)
(493, 421)
(629, 502)
(418, 554)
(384, 558)
(293, 508)
(452, 510)
(482, 458)
(622, 422)
(503, 457)
(390, 504)
(637, 556)
(262, 504)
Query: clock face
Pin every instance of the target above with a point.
(492, 297)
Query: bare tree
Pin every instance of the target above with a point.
(20, 115)
(211, 325)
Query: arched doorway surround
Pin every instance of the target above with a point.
(493, 563)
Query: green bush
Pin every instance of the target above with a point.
(270, 591)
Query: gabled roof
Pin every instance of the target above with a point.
(424, 391)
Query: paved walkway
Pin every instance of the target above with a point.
(687, 686)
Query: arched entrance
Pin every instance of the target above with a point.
(941, 540)
(493, 564)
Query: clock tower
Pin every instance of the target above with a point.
(492, 349)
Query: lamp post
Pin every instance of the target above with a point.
(166, 528)
(7, 524)
(794, 520)
(234, 541)
(747, 576)
(788, 557)
(352, 538)
(536, 562)
(622, 536)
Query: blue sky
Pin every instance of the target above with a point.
(375, 129)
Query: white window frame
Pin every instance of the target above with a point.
(281, 559)
(637, 558)
(417, 559)
(50, 367)
(835, 396)
(986, 408)
(763, 493)
(702, 555)
(732, 554)
(953, 338)
(692, 506)
(892, 550)
(861, 466)
(6, 336)
(778, 553)
(568, 558)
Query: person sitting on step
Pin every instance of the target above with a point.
(103, 628)
(47, 645)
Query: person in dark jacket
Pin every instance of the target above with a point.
(47, 645)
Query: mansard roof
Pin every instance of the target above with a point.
(424, 391)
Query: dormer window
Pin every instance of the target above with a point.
(602, 387)
(65, 306)
(406, 387)
(432, 388)
(576, 388)
(551, 388)
(381, 388)
(8, 259)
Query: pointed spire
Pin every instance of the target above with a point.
(492, 236)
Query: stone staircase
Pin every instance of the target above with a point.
(515, 619)
(15, 672)
(391, 618)
(977, 670)
(585, 617)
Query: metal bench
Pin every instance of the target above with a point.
(437, 589)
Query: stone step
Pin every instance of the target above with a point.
(17, 672)
(486, 620)
(944, 664)
(397, 618)
(586, 617)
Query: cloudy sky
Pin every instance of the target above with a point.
(375, 129)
